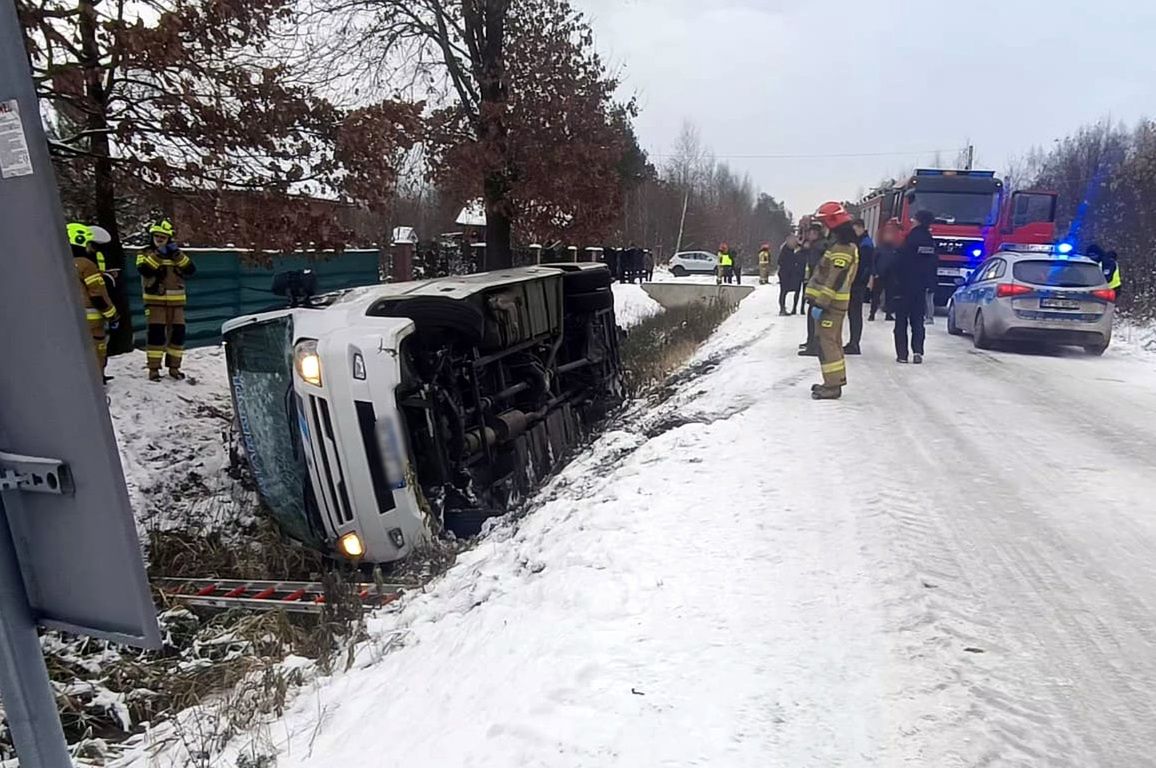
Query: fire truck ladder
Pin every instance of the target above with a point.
(294, 596)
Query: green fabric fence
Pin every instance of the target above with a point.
(224, 287)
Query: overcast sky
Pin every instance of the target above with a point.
(774, 77)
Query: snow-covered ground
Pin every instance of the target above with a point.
(952, 566)
(174, 444)
(632, 305)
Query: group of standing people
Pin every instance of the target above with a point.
(163, 269)
(837, 269)
(730, 266)
(629, 264)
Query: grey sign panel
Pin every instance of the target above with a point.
(78, 551)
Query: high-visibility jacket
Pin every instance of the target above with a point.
(725, 260)
(1115, 281)
(97, 304)
(163, 276)
(830, 283)
(764, 256)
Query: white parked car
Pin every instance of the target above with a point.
(693, 263)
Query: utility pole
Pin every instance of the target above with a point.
(682, 221)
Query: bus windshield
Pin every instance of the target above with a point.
(961, 208)
(261, 373)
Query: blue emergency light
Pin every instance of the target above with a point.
(1065, 248)
(952, 172)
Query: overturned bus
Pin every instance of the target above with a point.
(375, 417)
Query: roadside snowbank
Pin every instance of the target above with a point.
(632, 305)
(1134, 338)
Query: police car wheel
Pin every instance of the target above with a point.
(952, 328)
(979, 336)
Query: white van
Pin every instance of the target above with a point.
(373, 417)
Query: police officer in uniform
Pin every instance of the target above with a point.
(829, 294)
(163, 269)
(908, 279)
(725, 264)
(1109, 264)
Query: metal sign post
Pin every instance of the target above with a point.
(29, 701)
(69, 554)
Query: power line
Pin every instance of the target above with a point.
(836, 155)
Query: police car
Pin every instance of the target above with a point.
(1041, 293)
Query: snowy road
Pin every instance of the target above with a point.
(955, 565)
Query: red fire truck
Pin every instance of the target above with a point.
(973, 217)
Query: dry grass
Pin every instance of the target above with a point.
(658, 345)
(263, 553)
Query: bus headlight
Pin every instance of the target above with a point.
(307, 361)
(351, 546)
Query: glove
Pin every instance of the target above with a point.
(816, 312)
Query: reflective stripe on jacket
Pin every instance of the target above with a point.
(830, 284)
(724, 260)
(163, 276)
(97, 304)
(764, 257)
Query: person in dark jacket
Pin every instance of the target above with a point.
(859, 288)
(813, 251)
(790, 273)
(909, 277)
(1109, 263)
(890, 237)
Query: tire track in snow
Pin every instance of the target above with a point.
(1033, 564)
(933, 614)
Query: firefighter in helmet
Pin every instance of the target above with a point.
(99, 310)
(163, 269)
(764, 263)
(829, 294)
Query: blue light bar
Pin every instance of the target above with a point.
(949, 172)
(1065, 248)
(976, 253)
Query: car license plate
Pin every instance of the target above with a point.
(1059, 304)
(950, 271)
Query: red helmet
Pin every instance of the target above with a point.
(833, 215)
(723, 247)
(766, 246)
